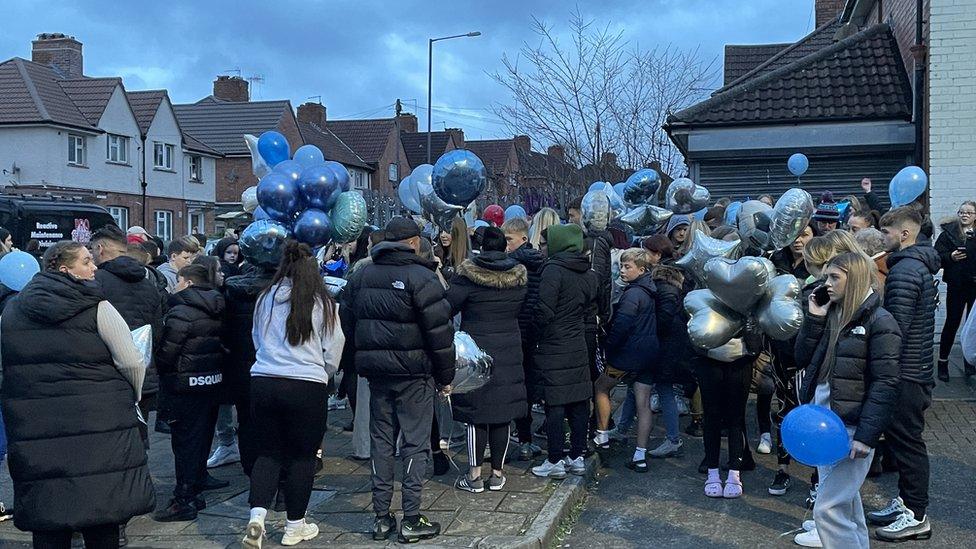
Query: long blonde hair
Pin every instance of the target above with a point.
(460, 242)
(545, 218)
(861, 279)
(821, 249)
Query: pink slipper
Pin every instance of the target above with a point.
(733, 489)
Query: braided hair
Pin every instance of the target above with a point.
(62, 253)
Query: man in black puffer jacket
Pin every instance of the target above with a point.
(395, 312)
(190, 361)
(132, 290)
(910, 296)
(599, 243)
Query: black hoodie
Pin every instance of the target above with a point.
(956, 273)
(911, 297)
(191, 356)
(241, 293)
(532, 260)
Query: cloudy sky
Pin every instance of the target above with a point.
(361, 55)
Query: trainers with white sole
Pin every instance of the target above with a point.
(765, 444)
(666, 449)
(809, 538)
(576, 466)
(889, 514)
(549, 469)
(224, 455)
(299, 533)
(253, 536)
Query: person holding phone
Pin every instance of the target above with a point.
(957, 250)
(849, 347)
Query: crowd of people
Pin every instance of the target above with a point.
(246, 354)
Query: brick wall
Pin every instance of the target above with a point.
(134, 203)
(827, 10)
(952, 69)
(233, 176)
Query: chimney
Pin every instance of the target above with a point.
(231, 88)
(458, 135)
(59, 51)
(408, 122)
(312, 113)
(608, 159)
(523, 143)
(557, 152)
(828, 10)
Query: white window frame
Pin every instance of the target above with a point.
(77, 146)
(393, 172)
(164, 225)
(121, 216)
(360, 180)
(162, 156)
(196, 168)
(197, 224)
(119, 146)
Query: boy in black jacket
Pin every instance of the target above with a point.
(189, 362)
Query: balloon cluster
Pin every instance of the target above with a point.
(766, 229)
(305, 197)
(446, 189)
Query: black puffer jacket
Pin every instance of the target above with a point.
(240, 295)
(532, 260)
(910, 296)
(191, 356)
(567, 288)
(956, 273)
(600, 243)
(76, 456)
(632, 338)
(133, 291)
(229, 269)
(672, 325)
(783, 261)
(395, 312)
(6, 294)
(488, 291)
(864, 380)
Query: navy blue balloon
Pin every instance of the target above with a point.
(291, 168)
(273, 148)
(320, 187)
(280, 197)
(313, 227)
(342, 174)
(798, 164)
(459, 177)
(815, 435)
(263, 242)
(260, 214)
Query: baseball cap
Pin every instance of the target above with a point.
(136, 229)
(400, 228)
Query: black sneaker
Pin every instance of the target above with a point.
(780, 484)
(179, 510)
(319, 467)
(943, 370)
(211, 483)
(199, 502)
(6, 513)
(412, 531)
(748, 462)
(694, 429)
(441, 464)
(384, 527)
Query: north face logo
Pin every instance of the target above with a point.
(399, 285)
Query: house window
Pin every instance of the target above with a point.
(117, 149)
(76, 150)
(394, 172)
(196, 223)
(162, 156)
(164, 225)
(360, 180)
(120, 215)
(196, 168)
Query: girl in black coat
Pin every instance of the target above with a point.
(488, 292)
(228, 251)
(849, 349)
(957, 250)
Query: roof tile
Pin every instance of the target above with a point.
(368, 138)
(415, 146)
(331, 146)
(90, 95)
(221, 125)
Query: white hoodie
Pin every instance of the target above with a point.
(315, 360)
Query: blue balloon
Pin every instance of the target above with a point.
(309, 155)
(907, 185)
(732, 213)
(700, 214)
(619, 188)
(320, 187)
(642, 187)
(408, 195)
(263, 242)
(514, 211)
(17, 268)
(815, 435)
(459, 177)
(481, 223)
(260, 214)
(273, 148)
(348, 217)
(342, 174)
(291, 168)
(596, 186)
(313, 227)
(278, 194)
(798, 164)
(616, 201)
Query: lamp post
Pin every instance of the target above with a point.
(430, 73)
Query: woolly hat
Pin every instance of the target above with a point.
(827, 209)
(677, 221)
(564, 238)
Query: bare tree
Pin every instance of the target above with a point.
(600, 93)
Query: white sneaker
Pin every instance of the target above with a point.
(253, 536)
(224, 455)
(765, 444)
(337, 403)
(808, 539)
(576, 466)
(809, 526)
(302, 532)
(550, 470)
(655, 403)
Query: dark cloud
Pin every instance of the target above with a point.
(360, 56)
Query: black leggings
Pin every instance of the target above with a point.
(725, 391)
(959, 298)
(578, 414)
(105, 536)
(289, 422)
(495, 436)
(764, 409)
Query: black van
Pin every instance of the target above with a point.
(49, 221)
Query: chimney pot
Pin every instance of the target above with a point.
(408, 122)
(231, 88)
(558, 152)
(59, 51)
(312, 113)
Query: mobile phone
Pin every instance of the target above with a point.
(820, 296)
(961, 249)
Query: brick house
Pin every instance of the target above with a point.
(312, 124)
(415, 145)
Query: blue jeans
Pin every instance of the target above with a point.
(669, 410)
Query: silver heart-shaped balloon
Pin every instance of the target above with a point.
(685, 197)
(712, 324)
(703, 248)
(791, 214)
(740, 283)
(644, 219)
(779, 313)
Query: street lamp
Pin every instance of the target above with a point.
(430, 72)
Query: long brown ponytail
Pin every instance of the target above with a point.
(307, 287)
